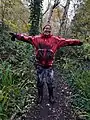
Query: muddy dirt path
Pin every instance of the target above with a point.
(60, 110)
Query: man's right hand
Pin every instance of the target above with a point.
(13, 36)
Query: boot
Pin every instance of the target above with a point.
(51, 97)
(40, 95)
(39, 101)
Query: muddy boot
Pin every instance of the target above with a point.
(40, 95)
(51, 100)
(51, 97)
(40, 98)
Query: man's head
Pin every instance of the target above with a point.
(47, 30)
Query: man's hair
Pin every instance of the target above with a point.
(47, 25)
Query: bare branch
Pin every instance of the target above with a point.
(49, 3)
(61, 5)
(64, 17)
(56, 3)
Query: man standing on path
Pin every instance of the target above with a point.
(46, 45)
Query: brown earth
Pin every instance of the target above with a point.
(60, 110)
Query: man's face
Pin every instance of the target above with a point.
(47, 30)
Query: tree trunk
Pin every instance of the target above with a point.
(56, 3)
(63, 24)
(35, 15)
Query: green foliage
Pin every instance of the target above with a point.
(15, 94)
(17, 80)
(15, 15)
(76, 71)
(81, 22)
(74, 63)
(81, 97)
(35, 16)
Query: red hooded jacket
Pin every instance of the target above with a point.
(46, 46)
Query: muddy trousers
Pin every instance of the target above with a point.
(44, 75)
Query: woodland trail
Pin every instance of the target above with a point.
(60, 110)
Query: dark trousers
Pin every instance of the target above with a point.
(45, 75)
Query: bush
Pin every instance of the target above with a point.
(76, 70)
(17, 78)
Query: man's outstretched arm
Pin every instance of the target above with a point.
(73, 42)
(69, 42)
(21, 37)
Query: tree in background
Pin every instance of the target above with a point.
(35, 16)
(15, 15)
(15, 73)
(81, 23)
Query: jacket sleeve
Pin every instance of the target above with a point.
(21, 37)
(68, 42)
(72, 42)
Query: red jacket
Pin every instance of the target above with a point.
(46, 47)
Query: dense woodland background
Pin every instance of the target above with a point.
(17, 72)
